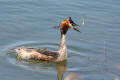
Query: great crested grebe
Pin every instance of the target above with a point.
(46, 55)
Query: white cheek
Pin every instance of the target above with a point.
(70, 25)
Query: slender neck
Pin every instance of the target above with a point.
(63, 48)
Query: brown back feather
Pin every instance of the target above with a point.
(51, 54)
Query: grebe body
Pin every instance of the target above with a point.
(46, 55)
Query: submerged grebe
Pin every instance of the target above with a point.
(46, 55)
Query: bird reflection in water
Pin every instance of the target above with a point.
(61, 68)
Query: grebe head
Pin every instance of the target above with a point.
(67, 24)
(19, 50)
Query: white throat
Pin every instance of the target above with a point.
(62, 49)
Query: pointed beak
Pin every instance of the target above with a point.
(76, 29)
(16, 50)
(74, 24)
